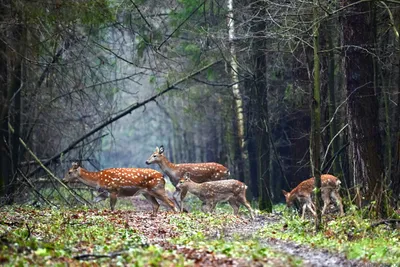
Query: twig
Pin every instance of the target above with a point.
(34, 189)
(140, 13)
(48, 171)
(127, 111)
(330, 143)
(330, 161)
(391, 221)
(180, 25)
(29, 231)
(98, 256)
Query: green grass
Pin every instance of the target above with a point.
(208, 232)
(50, 236)
(45, 236)
(350, 234)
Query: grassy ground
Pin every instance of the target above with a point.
(98, 236)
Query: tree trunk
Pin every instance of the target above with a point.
(333, 128)
(363, 108)
(260, 114)
(238, 102)
(316, 119)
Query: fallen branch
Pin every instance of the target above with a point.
(387, 222)
(77, 197)
(119, 116)
(35, 190)
(98, 256)
(29, 231)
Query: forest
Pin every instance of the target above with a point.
(104, 103)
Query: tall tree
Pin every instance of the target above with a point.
(238, 101)
(316, 116)
(259, 104)
(363, 115)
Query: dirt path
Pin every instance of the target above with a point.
(311, 256)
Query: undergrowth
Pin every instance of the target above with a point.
(95, 235)
(51, 236)
(351, 234)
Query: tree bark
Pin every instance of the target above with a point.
(316, 118)
(238, 102)
(363, 108)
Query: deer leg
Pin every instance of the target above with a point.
(212, 206)
(303, 208)
(176, 195)
(103, 195)
(327, 200)
(242, 199)
(161, 195)
(183, 195)
(309, 206)
(205, 207)
(113, 199)
(153, 202)
(234, 206)
(335, 195)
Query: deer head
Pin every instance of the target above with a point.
(183, 180)
(289, 200)
(73, 173)
(157, 156)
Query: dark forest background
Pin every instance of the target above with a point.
(106, 81)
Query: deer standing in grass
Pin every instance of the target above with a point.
(210, 193)
(124, 182)
(329, 188)
(199, 172)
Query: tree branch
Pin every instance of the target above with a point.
(77, 197)
(180, 25)
(119, 116)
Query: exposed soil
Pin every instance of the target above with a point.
(310, 256)
(247, 229)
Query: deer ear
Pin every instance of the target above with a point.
(157, 149)
(186, 176)
(75, 165)
(161, 150)
(285, 193)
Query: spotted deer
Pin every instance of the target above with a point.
(199, 172)
(210, 193)
(329, 188)
(124, 182)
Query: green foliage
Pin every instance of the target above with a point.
(208, 231)
(211, 76)
(91, 12)
(295, 96)
(350, 234)
(50, 236)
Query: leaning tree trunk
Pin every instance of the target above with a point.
(365, 141)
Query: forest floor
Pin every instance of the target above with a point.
(131, 236)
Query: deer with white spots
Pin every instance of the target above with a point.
(210, 193)
(329, 188)
(199, 172)
(124, 182)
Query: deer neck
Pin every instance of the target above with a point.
(292, 196)
(89, 178)
(193, 188)
(169, 168)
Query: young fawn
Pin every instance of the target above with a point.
(210, 193)
(199, 172)
(124, 182)
(329, 188)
